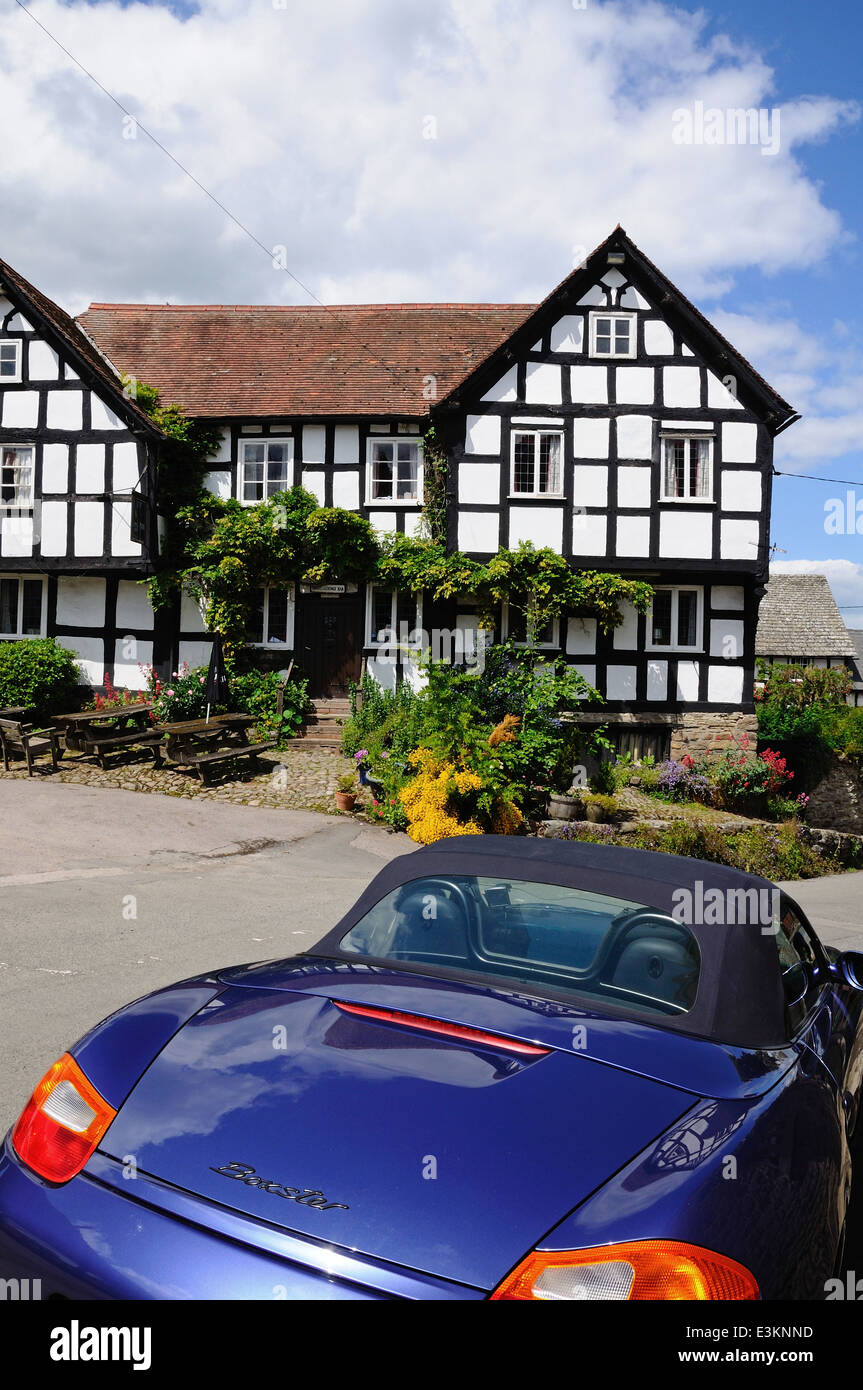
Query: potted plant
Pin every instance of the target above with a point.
(345, 794)
(566, 805)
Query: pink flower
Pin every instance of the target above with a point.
(169, 692)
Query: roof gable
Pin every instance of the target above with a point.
(752, 390)
(67, 337)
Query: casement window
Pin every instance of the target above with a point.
(266, 467)
(16, 475)
(386, 611)
(515, 629)
(271, 625)
(536, 463)
(22, 606)
(612, 335)
(10, 361)
(394, 470)
(676, 620)
(687, 468)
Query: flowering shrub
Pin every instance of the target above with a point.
(741, 778)
(117, 699)
(183, 697)
(682, 781)
(445, 799)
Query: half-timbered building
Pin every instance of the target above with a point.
(78, 526)
(612, 423)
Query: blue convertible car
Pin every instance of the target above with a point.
(517, 1069)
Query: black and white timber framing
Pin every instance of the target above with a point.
(675, 379)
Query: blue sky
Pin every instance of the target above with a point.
(814, 49)
(551, 121)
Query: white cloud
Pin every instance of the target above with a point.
(820, 374)
(307, 121)
(844, 577)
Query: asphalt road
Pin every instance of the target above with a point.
(114, 894)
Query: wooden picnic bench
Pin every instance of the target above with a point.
(202, 743)
(96, 733)
(16, 737)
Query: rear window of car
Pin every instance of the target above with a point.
(561, 939)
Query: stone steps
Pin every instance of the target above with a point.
(323, 728)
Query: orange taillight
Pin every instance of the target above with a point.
(62, 1122)
(639, 1269)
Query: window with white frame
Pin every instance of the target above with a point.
(612, 335)
(536, 463)
(387, 610)
(22, 606)
(266, 466)
(270, 623)
(394, 470)
(10, 360)
(515, 629)
(687, 468)
(16, 475)
(675, 620)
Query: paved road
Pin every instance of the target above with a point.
(835, 908)
(114, 894)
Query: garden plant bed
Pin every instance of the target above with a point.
(787, 851)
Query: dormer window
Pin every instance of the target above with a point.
(612, 335)
(10, 361)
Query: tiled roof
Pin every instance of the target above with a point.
(358, 359)
(799, 617)
(38, 306)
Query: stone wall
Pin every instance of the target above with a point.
(837, 801)
(703, 732)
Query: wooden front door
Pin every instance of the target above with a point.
(328, 645)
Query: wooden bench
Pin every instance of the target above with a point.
(201, 761)
(98, 745)
(23, 738)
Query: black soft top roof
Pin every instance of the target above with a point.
(740, 1001)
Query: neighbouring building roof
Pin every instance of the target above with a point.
(85, 357)
(856, 635)
(221, 360)
(799, 617)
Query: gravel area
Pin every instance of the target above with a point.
(286, 778)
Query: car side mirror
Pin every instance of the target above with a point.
(848, 969)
